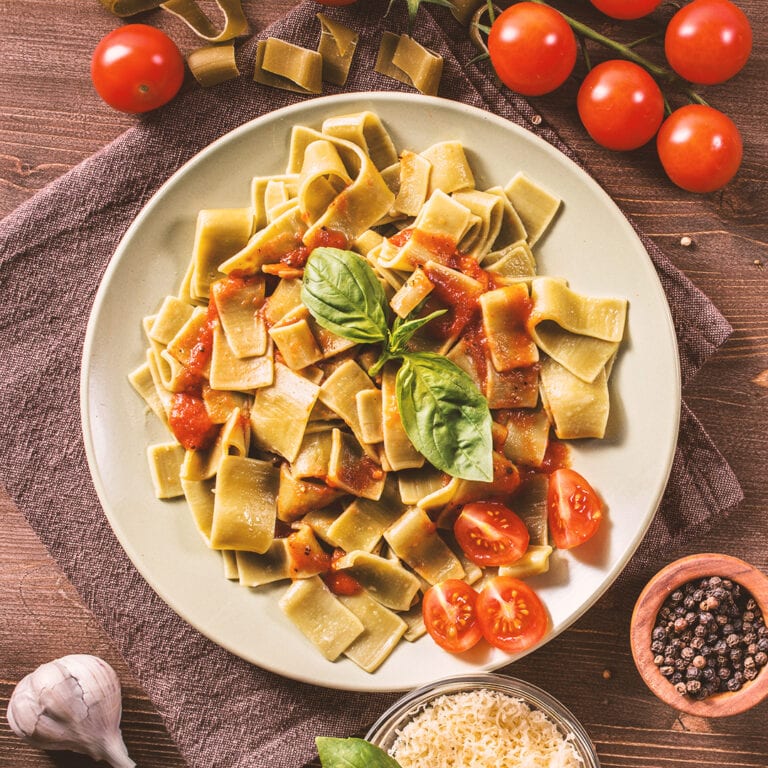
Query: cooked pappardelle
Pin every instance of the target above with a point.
(358, 359)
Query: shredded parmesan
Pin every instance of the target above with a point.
(483, 729)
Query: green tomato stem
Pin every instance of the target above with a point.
(625, 51)
(662, 73)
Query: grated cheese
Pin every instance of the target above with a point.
(483, 729)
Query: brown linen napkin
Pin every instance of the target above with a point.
(53, 252)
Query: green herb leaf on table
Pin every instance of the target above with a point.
(445, 416)
(352, 753)
(344, 295)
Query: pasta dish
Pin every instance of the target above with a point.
(355, 357)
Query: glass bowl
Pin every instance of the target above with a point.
(385, 730)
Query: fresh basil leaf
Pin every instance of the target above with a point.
(445, 416)
(344, 295)
(402, 330)
(352, 753)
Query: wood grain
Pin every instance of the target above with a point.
(51, 119)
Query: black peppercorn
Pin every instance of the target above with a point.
(693, 687)
(709, 636)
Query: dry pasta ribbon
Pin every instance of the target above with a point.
(235, 22)
(402, 58)
(213, 64)
(337, 47)
(287, 66)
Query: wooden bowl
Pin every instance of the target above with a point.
(649, 603)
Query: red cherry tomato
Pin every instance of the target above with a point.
(532, 48)
(136, 68)
(708, 41)
(625, 9)
(511, 615)
(450, 615)
(700, 148)
(620, 105)
(574, 509)
(490, 533)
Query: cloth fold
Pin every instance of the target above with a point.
(53, 251)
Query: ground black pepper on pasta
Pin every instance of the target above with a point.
(710, 636)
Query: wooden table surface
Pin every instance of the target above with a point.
(50, 119)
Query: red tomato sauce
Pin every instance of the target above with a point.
(305, 558)
(359, 474)
(340, 582)
(452, 294)
(223, 289)
(320, 238)
(190, 423)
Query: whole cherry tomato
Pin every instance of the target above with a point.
(699, 147)
(625, 9)
(511, 615)
(574, 510)
(450, 615)
(490, 533)
(620, 105)
(708, 41)
(136, 68)
(532, 48)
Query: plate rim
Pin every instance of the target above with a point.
(156, 199)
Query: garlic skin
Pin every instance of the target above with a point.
(71, 703)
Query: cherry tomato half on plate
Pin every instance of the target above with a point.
(574, 509)
(700, 148)
(708, 41)
(620, 105)
(510, 614)
(625, 9)
(490, 533)
(450, 616)
(137, 68)
(532, 48)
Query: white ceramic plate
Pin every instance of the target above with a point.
(591, 244)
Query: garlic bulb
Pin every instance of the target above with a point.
(71, 703)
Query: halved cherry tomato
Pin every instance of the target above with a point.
(450, 616)
(490, 533)
(574, 509)
(510, 614)
(532, 48)
(136, 68)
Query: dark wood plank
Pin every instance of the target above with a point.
(51, 119)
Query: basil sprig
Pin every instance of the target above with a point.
(444, 415)
(352, 753)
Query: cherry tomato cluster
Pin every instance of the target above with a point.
(506, 611)
(533, 48)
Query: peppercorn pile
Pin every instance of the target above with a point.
(710, 636)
